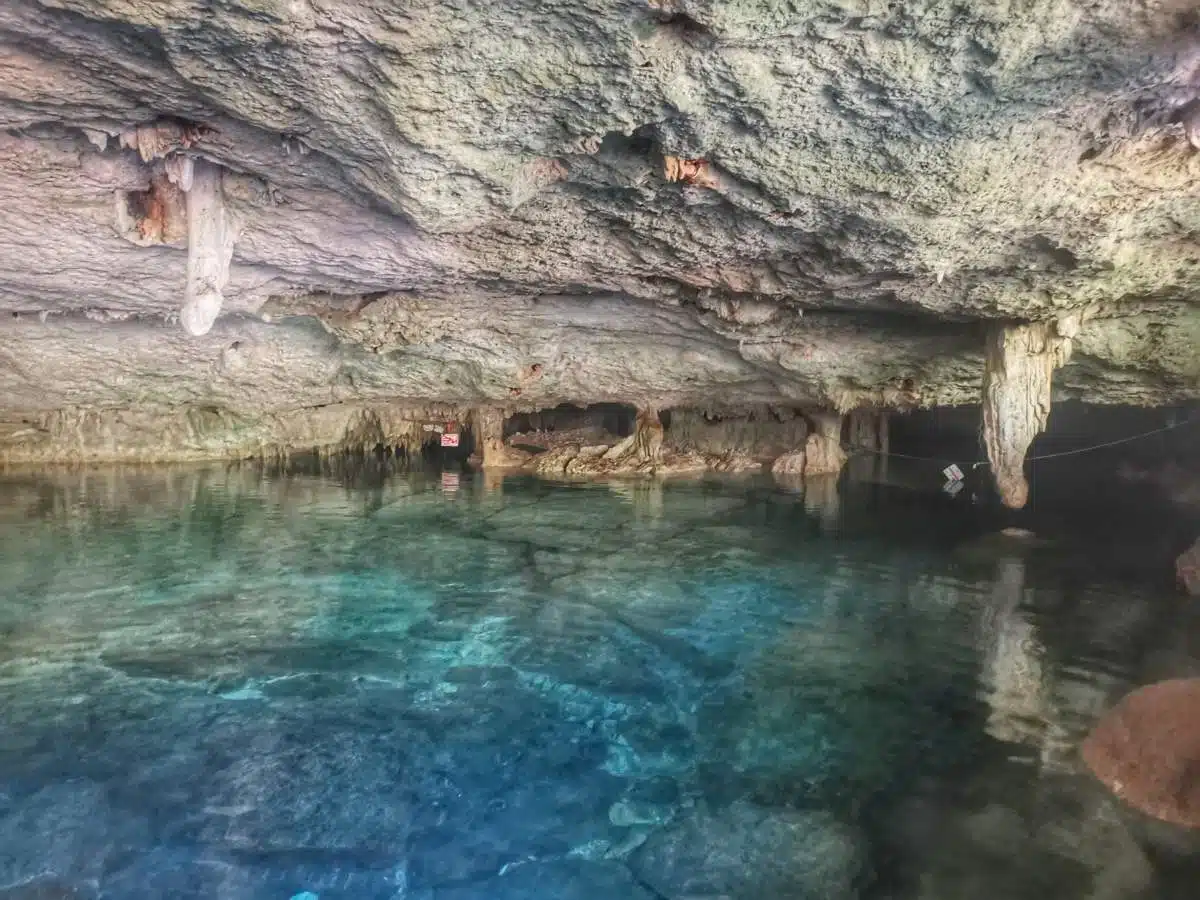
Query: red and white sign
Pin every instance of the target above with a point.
(449, 440)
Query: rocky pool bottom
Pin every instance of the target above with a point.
(217, 683)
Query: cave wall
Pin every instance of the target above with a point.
(266, 209)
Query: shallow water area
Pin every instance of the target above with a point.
(220, 683)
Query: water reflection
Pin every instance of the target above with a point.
(225, 683)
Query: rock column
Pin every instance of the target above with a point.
(210, 249)
(648, 436)
(823, 453)
(488, 423)
(1018, 363)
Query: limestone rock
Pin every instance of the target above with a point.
(789, 463)
(735, 462)
(210, 248)
(489, 436)
(1016, 399)
(538, 203)
(1147, 751)
(747, 852)
(823, 453)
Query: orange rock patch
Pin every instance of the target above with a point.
(690, 171)
(1147, 751)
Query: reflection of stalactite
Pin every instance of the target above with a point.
(646, 497)
(1012, 665)
(1018, 364)
(821, 497)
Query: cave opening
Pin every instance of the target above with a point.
(594, 421)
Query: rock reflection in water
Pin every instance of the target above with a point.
(219, 684)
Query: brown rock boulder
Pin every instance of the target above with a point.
(1187, 569)
(1147, 751)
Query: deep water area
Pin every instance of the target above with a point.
(226, 683)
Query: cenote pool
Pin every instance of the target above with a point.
(219, 683)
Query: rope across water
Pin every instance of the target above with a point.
(1076, 451)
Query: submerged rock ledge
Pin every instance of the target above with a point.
(237, 226)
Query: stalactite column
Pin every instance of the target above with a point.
(210, 249)
(823, 453)
(1018, 363)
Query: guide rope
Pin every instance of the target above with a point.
(1076, 451)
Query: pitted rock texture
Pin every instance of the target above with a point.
(661, 202)
(1147, 750)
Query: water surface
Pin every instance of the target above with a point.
(221, 684)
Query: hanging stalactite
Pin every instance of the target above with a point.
(1018, 363)
(210, 249)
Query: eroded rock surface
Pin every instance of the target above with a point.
(669, 204)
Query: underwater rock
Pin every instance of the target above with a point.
(68, 830)
(1147, 751)
(1187, 569)
(747, 852)
(564, 879)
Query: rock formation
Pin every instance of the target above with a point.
(1147, 751)
(1018, 365)
(1187, 569)
(673, 205)
(493, 452)
(210, 247)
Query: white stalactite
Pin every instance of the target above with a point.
(181, 170)
(210, 248)
(1018, 363)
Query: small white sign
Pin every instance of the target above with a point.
(450, 481)
(449, 440)
(953, 472)
(952, 487)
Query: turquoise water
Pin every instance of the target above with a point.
(219, 684)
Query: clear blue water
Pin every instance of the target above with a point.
(218, 684)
